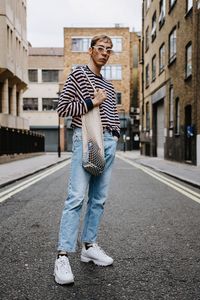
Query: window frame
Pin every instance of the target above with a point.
(118, 98)
(147, 76)
(51, 76)
(171, 106)
(161, 67)
(112, 71)
(115, 41)
(153, 68)
(35, 72)
(177, 116)
(153, 27)
(147, 39)
(162, 9)
(147, 119)
(31, 99)
(172, 3)
(172, 57)
(189, 8)
(148, 3)
(82, 46)
(54, 101)
(188, 46)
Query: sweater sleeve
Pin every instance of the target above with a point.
(71, 101)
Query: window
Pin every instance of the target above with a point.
(153, 31)
(171, 107)
(135, 56)
(50, 75)
(112, 72)
(177, 129)
(188, 65)
(117, 44)
(33, 75)
(147, 75)
(161, 58)
(49, 103)
(189, 5)
(148, 2)
(154, 68)
(80, 44)
(171, 3)
(9, 40)
(147, 117)
(147, 39)
(172, 46)
(161, 19)
(118, 97)
(30, 104)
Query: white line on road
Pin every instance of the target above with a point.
(23, 185)
(176, 186)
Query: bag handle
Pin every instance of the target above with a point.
(86, 75)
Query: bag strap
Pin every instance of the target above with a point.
(86, 75)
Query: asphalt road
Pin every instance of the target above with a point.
(151, 230)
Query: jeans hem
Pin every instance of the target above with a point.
(68, 251)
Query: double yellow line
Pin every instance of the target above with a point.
(174, 185)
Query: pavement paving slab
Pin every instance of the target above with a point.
(185, 172)
(18, 169)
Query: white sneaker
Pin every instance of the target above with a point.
(62, 271)
(95, 254)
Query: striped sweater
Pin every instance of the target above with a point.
(75, 99)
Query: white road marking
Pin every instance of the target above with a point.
(25, 184)
(176, 186)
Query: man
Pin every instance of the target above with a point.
(77, 98)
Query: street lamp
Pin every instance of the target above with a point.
(124, 129)
(58, 148)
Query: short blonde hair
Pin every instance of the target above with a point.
(101, 37)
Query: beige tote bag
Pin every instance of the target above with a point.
(92, 137)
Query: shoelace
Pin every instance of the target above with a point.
(99, 249)
(64, 263)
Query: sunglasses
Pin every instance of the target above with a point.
(102, 49)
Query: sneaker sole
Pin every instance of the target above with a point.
(96, 262)
(62, 282)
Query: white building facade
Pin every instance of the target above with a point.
(13, 62)
(45, 71)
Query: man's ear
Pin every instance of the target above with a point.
(90, 50)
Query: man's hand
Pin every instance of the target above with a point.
(99, 96)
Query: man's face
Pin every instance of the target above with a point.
(101, 52)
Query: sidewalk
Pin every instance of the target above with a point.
(18, 169)
(185, 172)
(15, 170)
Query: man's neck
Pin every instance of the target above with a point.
(96, 70)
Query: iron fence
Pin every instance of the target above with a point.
(17, 141)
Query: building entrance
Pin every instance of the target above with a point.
(160, 139)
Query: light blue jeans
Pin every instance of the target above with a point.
(77, 186)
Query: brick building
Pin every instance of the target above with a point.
(170, 97)
(121, 70)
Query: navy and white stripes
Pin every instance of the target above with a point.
(75, 99)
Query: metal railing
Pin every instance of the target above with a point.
(17, 141)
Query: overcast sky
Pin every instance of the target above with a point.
(47, 18)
